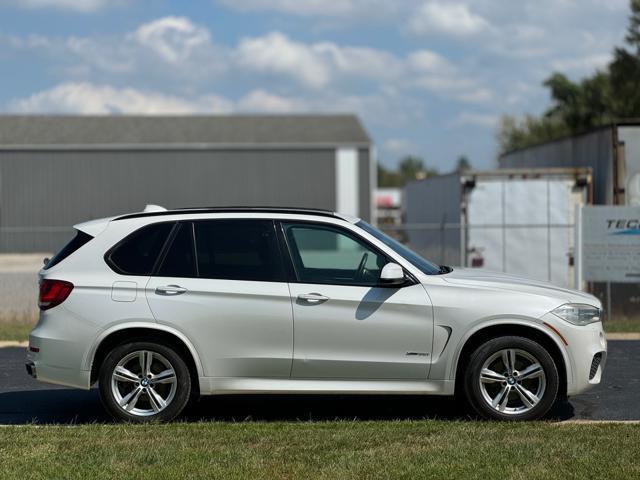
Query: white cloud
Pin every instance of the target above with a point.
(483, 120)
(275, 53)
(359, 61)
(428, 61)
(314, 65)
(90, 98)
(173, 39)
(81, 6)
(399, 146)
(448, 18)
(261, 101)
(583, 65)
(316, 8)
(168, 48)
(87, 98)
(478, 95)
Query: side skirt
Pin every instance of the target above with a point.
(232, 385)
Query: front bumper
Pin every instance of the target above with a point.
(585, 351)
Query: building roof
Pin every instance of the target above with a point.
(625, 122)
(223, 130)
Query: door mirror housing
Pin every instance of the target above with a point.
(392, 274)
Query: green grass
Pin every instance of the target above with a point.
(622, 325)
(18, 331)
(341, 450)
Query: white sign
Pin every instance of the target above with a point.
(611, 244)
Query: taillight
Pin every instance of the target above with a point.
(53, 292)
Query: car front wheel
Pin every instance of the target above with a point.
(511, 378)
(142, 381)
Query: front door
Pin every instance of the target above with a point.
(222, 284)
(346, 326)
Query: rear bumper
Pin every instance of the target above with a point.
(31, 369)
(38, 368)
(59, 353)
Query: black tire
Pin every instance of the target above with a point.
(177, 392)
(479, 400)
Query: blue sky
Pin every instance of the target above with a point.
(427, 77)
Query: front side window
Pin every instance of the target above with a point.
(327, 255)
(416, 260)
(137, 253)
(238, 250)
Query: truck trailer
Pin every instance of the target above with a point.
(518, 221)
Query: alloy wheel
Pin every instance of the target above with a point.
(512, 381)
(143, 383)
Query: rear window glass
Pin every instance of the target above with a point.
(238, 250)
(137, 253)
(74, 244)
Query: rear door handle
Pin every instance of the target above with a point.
(312, 297)
(170, 290)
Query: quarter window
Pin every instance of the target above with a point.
(238, 250)
(323, 254)
(137, 254)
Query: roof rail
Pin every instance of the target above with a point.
(235, 209)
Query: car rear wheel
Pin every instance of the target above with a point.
(511, 378)
(143, 381)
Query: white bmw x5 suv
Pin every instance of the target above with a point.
(158, 305)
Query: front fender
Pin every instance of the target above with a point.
(446, 365)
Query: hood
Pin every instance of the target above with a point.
(504, 281)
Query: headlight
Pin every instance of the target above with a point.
(578, 314)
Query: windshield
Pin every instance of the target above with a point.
(416, 260)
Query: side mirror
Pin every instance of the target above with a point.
(46, 260)
(392, 275)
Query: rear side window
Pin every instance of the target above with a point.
(137, 253)
(180, 260)
(238, 250)
(74, 244)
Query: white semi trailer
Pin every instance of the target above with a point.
(514, 221)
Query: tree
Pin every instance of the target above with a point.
(410, 168)
(388, 178)
(579, 106)
(463, 164)
(413, 168)
(515, 133)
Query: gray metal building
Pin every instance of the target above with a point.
(612, 152)
(59, 170)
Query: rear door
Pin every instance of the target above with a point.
(347, 326)
(221, 282)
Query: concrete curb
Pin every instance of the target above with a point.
(12, 343)
(598, 422)
(623, 336)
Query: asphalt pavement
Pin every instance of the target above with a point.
(25, 400)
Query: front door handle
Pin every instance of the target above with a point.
(312, 297)
(170, 290)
